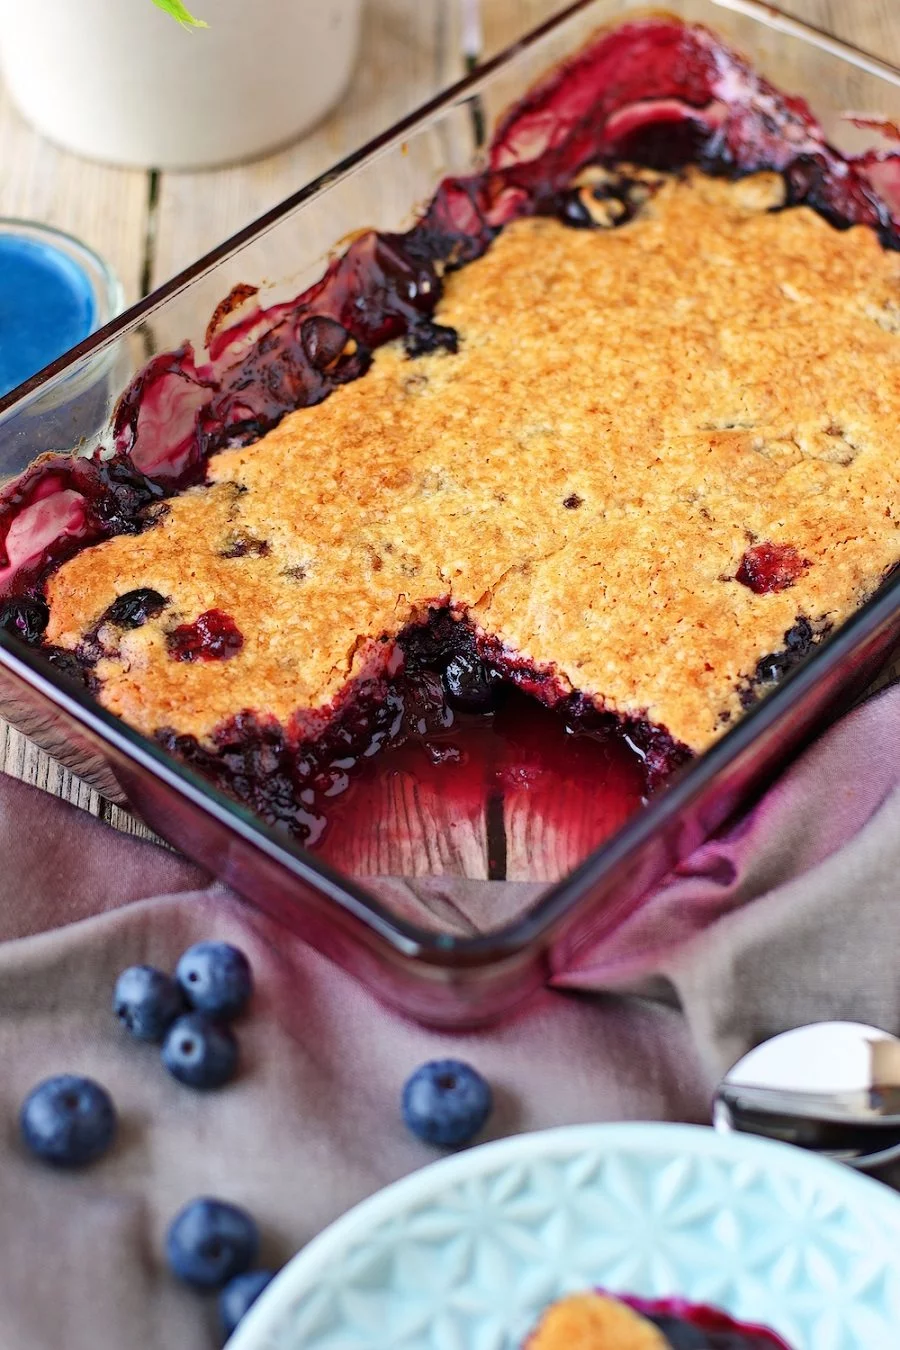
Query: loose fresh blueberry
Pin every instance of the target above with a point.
(146, 1002)
(134, 608)
(25, 619)
(239, 1295)
(67, 1120)
(209, 1242)
(468, 684)
(200, 1052)
(446, 1102)
(216, 978)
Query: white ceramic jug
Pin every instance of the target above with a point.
(120, 80)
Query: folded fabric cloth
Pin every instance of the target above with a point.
(787, 917)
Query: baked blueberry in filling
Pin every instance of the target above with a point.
(468, 684)
(72, 665)
(323, 340)
(426, 336)
(770, 567)
(134, 608)
(771, 669)
(25, 619)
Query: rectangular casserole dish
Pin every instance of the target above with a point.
(435, 974)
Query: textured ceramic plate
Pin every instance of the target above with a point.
(464, 1254)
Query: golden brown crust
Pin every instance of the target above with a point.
(594, 1322)
(706, 376)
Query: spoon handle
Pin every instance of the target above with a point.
(868, 1108)
(842, 1142)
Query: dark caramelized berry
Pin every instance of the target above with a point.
(806, 179)
(468, 684)
(134, 608)
(800, 638)
(425, 337)
(679, 1334)
(65, 663)
(799, 641)
(573, 212)
(25, 619)
(600, 208)
(323, 340)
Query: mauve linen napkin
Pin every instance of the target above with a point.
(789, 917)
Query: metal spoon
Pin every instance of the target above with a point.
(832, 1087)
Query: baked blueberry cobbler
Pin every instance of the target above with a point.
(598, 1321)
(613, 423)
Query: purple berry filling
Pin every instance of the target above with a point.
(696, 1326)
(770, 567)
(439, 684)
(213, 636)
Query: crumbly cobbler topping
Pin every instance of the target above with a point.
(638, 422)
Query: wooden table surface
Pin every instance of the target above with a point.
(148, 225)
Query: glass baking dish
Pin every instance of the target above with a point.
(438, 971)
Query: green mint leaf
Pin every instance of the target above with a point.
(180, 12)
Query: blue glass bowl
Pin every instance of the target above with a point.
(54, 292)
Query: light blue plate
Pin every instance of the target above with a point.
(465, 1254)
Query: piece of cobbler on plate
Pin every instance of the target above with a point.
(599, 1321)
